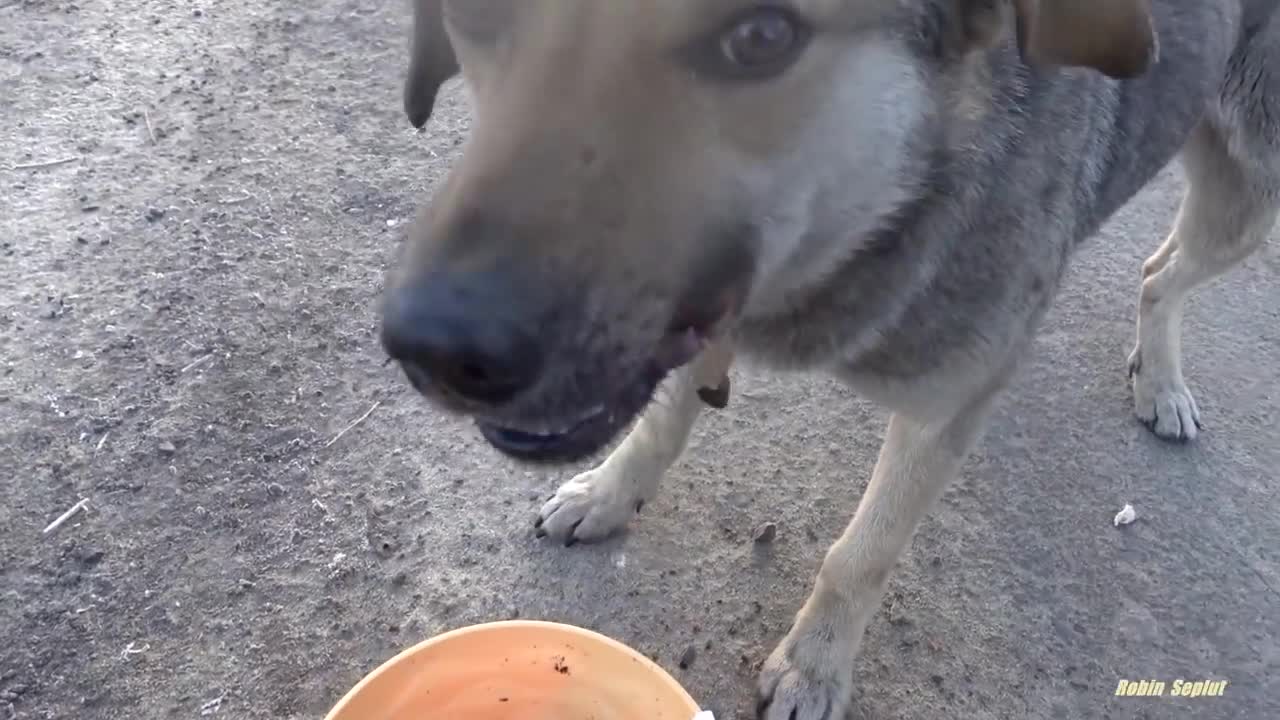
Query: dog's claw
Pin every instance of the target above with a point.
(573, 537)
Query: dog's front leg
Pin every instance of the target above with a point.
(601, 501)
(810, 674)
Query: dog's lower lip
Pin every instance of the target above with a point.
(546, 430)
(568, 444)
(594, 429)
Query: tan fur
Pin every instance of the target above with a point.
(1223, 219)
(625, 196)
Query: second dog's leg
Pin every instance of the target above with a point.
(596, 503)
(810, 675)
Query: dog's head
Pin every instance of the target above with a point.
(641, 172)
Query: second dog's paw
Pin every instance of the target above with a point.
(809, 678)
(590, 507)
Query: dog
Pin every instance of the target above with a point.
(884, 190)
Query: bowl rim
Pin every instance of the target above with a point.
(648, 664)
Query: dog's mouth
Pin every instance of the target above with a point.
(583, 435)
(577, 435)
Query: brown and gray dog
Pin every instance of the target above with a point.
(885, 190)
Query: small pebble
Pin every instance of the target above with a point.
(766, 533)
(686, 659)
(167, 448)
(154, 214)
(89, 556)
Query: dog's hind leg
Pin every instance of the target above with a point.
(1227, 213)
(599, 502)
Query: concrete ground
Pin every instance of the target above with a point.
(187, 328)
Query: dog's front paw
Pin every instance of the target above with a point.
(808, 677)
(1162, 401)
(590, 507)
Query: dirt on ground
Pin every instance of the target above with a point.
(199, 201)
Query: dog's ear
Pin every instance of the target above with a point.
(431, 62)
(1115, 37)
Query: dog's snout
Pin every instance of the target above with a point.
(467, 337)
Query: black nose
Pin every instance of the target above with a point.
(471, 336)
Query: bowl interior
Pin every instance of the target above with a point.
(523, 670)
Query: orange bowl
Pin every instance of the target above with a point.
(517, 670)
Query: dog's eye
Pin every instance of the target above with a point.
(763, 42)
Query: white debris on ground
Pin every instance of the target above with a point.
(211, 707)
(338, 566)
(133, 649)
(704, 715)
(1126, 515)
(64, 517)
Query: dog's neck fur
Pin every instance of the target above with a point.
(961, 257)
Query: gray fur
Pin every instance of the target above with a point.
(914, 262)
(973, 264)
